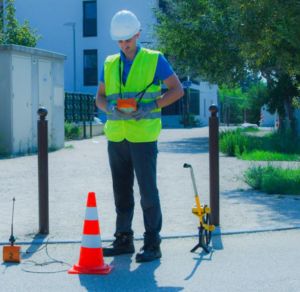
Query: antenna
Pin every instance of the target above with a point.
(11, 253)
(12, 238)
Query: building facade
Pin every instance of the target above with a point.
(79, 29)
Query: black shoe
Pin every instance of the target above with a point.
(148, 254)
(123, 244)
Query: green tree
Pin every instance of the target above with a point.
(226, 41)
(12, 32)
(1, 22)
(198, 38)
(257, 96)
(233, 105)
(242, 104)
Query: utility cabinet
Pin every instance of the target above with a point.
(30, 78)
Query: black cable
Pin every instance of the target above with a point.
(44, 263)
(32, 252)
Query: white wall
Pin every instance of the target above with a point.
(49, 17)
(266, 118)
(30, 78)
(208, 96)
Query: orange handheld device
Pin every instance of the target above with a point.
(128, 105)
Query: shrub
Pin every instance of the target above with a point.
(273, 180)
(260, 155)
(238, 142)
(234, 142)
(72, 131)
(281, 142)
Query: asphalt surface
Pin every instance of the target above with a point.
(254, 249)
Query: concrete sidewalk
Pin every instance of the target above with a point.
(82, 166)
(248, 262)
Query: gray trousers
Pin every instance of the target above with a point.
(125, 159)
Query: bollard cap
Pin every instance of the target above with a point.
(213, 109)
(42, 112)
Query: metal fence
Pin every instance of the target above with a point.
(80, 107)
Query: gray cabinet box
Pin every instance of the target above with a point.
(30, 78)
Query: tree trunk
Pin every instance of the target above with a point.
(289, 122)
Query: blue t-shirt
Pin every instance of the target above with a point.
(163, 69)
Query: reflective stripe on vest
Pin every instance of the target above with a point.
(140, 75)
(148, 96)
(150, 116)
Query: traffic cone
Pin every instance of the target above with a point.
(91, 255)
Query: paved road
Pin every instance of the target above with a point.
(83, 166)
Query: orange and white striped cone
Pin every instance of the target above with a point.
(91, 255)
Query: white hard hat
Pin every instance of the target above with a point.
(124, 25)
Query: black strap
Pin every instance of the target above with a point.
(120, 78)
(140, 94)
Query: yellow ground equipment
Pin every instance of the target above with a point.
(11, 253)
(203, 212)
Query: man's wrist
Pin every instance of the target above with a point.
(110, 108)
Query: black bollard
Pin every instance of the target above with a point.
(214, 165)
(42, 127)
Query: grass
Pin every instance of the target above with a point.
(274, 146)
(260, 155)
(273, 180)
(233, 142)
(241, 144)
(250, 129)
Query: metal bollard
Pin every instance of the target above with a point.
(214, 165)
(42, 126)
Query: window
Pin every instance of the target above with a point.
(194, 102)
(178, 107)
(90, 63)
(89, 18)
(172, 109)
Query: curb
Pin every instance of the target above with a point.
(217, 232)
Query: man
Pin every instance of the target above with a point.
(134, 76)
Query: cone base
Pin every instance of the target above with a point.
(102, 270)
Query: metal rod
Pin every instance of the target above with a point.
(91, 115)
(74, 55)
(214, 165)
(194, 182)
(12, 217)
(12, 238)
(82, 114)
(43, 171)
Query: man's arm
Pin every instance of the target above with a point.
(101, 101)
(174, 92)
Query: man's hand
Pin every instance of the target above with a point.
(116, 114)
(110, 108)
(143, 110)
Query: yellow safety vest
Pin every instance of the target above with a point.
(141, 74)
